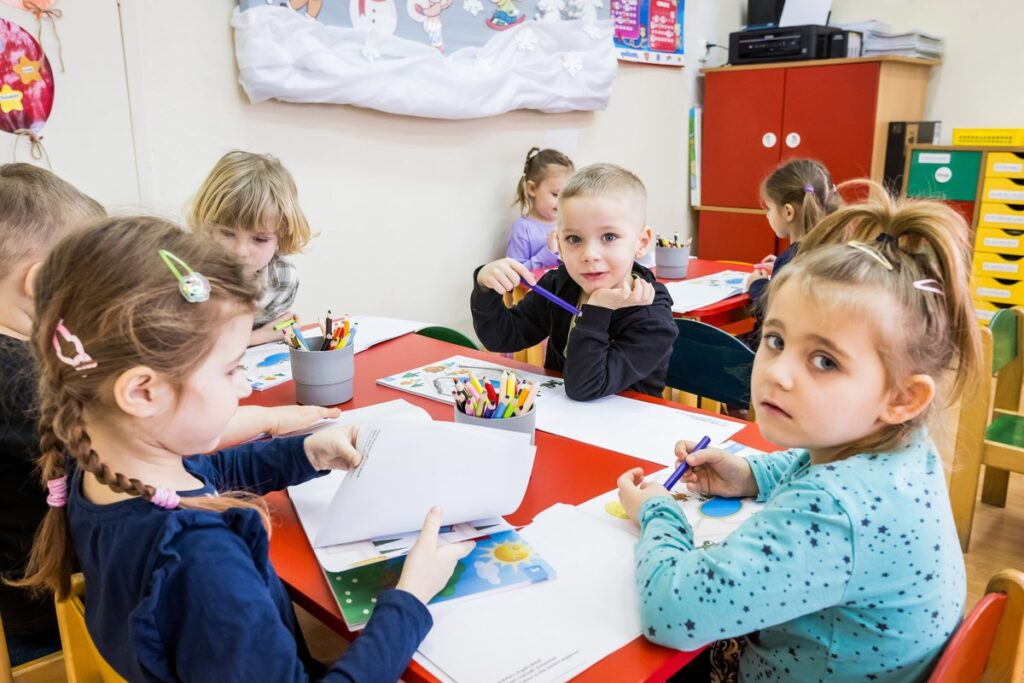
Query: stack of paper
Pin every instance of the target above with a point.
(879, 41)
(690, 295)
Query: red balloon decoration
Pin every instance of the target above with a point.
(26, 82)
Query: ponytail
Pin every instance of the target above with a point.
(535, 169)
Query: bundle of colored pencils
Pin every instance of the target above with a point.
(494, 399)
(338, 334)
(674, 243)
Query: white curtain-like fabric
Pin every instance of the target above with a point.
(552, 66)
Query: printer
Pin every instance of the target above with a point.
(792, 43)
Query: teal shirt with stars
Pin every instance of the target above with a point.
(852, 571)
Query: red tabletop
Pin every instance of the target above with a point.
(565, 471)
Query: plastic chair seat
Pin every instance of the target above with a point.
(1007, 430)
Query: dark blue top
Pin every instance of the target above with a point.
(190, 595)
(757, 291)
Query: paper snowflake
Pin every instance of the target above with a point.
(592, 30)
(572, 63)
(370, 51)
(526, 40)
(474, 7)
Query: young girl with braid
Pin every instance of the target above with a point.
(852, 571)
(139, 331)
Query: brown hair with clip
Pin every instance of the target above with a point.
(807, 186)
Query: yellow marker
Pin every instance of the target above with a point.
(510, 389)
(475, 383)
(287, 323)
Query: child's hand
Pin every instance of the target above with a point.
(634, 491)
(641, 293)
(768, 260)
(553, 241)
(334, 449)
(716, 472)
(293, 418)
(758, 274)
(429, 565)
(267, 333)
(504, 275)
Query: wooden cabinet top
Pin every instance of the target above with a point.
(927, 63)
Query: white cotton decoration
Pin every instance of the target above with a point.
(526, 40)
(474, 7)
(572, 63)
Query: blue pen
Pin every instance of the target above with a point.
(681, 470)
(558, 301)
(272, 360)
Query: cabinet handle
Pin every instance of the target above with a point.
(769, 139)
(793, 140)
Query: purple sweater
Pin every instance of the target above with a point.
(528, 244)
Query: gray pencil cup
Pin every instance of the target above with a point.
(527, 423)
(671, 263)
(323, 378)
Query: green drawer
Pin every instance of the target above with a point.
(944, 174)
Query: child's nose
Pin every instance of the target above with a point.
(780, 371)
(242, 385)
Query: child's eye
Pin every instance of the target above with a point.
(609, 237)
(573, 239)
(237, 369)
(261, 239)
(226, 232)
(773, 341)
(824, 363)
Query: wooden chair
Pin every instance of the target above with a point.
(989, 644)
(710, 363)
(449, 335)
(82, 661)
(991, 428)
(46, 669)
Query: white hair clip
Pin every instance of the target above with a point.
(929, 285)
(872, 252)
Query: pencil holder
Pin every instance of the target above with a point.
(671, 263)
(323, 378)
(527, 423)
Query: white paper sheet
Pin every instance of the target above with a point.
(374, 329)
(262, 374)
(554, 630)
(689, 295)
(803, 12)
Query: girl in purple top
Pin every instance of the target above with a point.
(544, 174)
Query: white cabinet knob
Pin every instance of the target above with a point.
(769, 140)
(793, 140)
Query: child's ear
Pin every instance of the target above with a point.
(789, 212)
(646, 235)
(142, 392)
(910, 401)
(531, 188)
(28, 284)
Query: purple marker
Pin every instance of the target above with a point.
(558, 301)
(674, 478)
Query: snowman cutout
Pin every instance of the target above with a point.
(379, 17)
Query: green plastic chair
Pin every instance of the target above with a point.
(711, 363)
(991, 427)
(449, 335)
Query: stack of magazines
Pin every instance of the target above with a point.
(879, 41)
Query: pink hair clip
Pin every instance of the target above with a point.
(165, 498)
(81, 360)
(57, 495)
(929, 285)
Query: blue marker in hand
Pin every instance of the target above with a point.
(681, 470)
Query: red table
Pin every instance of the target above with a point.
(565, 471)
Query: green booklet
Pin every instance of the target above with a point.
(498, 562)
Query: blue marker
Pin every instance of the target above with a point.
(272, 360)
(558, 301)
(681, 470)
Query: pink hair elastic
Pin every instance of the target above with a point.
(58, 492)
(808, 188)
(165, 498)
(929, 285)
(81, 360)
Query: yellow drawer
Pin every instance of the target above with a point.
(1004, 165)
(1000, 266)
(990, 289)
(996, 241)
(986, 310)
(1004, 190)
(1006, 216)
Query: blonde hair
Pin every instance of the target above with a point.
(536, 169)
(109, 286)
(38, 209)
(917, 253)
(245, 191)
(807, 186)
(606, 179)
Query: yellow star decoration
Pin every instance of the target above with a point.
(10, 100)
(28, 70)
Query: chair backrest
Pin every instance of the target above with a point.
(82, 661)
(449, 335)
(989, 644)
(709, 362)
(1007, 327)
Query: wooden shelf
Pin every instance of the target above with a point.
(892, 59)
(731, 209)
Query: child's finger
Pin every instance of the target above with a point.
(456, 551)
(431, 527)
(522, 271)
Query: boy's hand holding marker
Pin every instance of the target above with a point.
(504, 275)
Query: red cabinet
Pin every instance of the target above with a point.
(730, 236)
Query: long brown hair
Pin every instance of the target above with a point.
(109, 286)
(915, 253)
(535, 170)
(807, 186)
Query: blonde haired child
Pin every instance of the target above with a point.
(544, 174)
(249, 203)
(852, 571)
(174, 548)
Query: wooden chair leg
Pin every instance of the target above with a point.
(963, 484)
(994, 485)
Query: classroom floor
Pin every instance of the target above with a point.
(997, 543)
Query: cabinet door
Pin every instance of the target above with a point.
(741, 135)
(829, 115)
(724, 236)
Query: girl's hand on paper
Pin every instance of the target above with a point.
(504, 275)
(716, 472)
(430, 564)
(633, 292)
(287, 419)
(634, 492)
(267, 333)
(758, 274)
(334, 449)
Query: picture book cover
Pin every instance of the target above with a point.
(267, 365)
(437, 380)
(498, 562)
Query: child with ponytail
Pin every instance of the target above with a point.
(530, 240)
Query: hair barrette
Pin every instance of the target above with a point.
(57, 492)
(929, 285)
(808, 188)
(872, 252)
(193, 286)
(81, 360)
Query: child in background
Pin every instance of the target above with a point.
(544, 175)
(623, 339)
(249, 203)
(852, 571)
(798, 195)
(175, 547)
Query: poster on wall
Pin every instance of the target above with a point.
(450, 59)
(649, 31)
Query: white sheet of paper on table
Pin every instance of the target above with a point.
(689, 295)
(375, 329)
